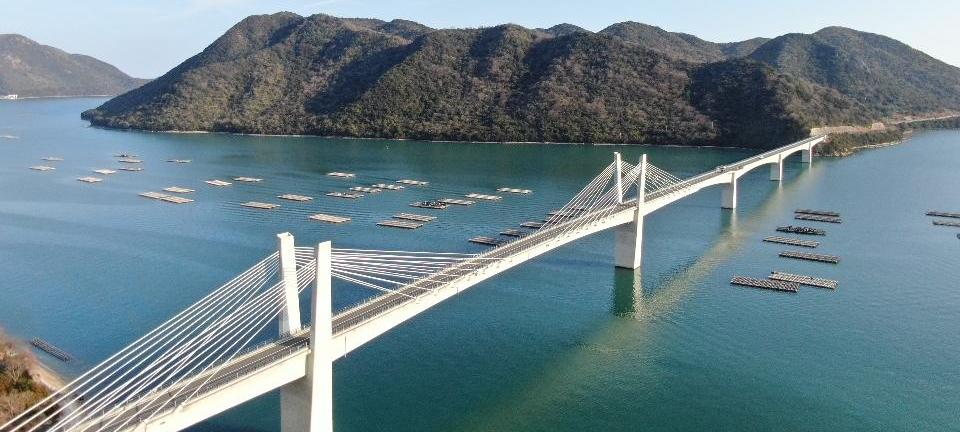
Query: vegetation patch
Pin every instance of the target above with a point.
(18, 388)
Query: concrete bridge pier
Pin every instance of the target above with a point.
(806, 155)
(728, 196)
(776, 169)
(628, 246)
(306, 405)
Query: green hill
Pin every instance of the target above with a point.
(30, 69)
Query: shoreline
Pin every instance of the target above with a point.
(542, 143)
(39, 370)
(45, 375)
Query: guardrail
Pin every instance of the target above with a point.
(158, 392)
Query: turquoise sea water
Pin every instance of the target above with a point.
(562, 343)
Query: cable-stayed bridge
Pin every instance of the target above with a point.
(206, 359)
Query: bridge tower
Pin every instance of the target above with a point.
(306, 405)
(628, 248)
(290, 315)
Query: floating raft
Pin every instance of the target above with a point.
(260, 205)
(125, 155)
(400, 224)
(129, 168)
(179, 161)
(943, 214)
(365, 189)
(556, 218)
(90, 179)
(487, 241)
(515, 191)
(218, 183)
(803, 280)
(513, 233)
(248, 179)
(293, 197)
(177, 189)
(341, 174)
(817, 218)
(166, 198)
(832, 259)
(392, 187)
(130, 161)
(484, 197)
(457, 201)
(818, 212)
(49, 348)
(775, 285)
(801, 230)
(153, 195)
(105, 171)
(345, 195)
(176, 199)
(52, 159)
(329, 218)
(792, 241)
(435, 205)
(42, 168)
(414, 217)
(946, 223)
(532, 224)
(412, 182)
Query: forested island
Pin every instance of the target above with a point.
(629, 83)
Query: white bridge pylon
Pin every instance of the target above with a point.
(223, 351)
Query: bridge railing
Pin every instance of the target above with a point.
(138, 402)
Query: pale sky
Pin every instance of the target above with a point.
(147, 38)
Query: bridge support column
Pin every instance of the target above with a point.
(776, 169)
(728, 197)
(628, 249)
(290, 315)
(306, 405)
(806, 156)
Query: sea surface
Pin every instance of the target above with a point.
(562, 343)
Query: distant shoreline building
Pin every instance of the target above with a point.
(8, 97)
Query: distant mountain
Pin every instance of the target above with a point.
(30, 69)
(630, 83)
(878, 71)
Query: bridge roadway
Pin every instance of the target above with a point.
(358, 325)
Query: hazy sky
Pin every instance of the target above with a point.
(147, 38)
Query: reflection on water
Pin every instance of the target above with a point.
(627, 292)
